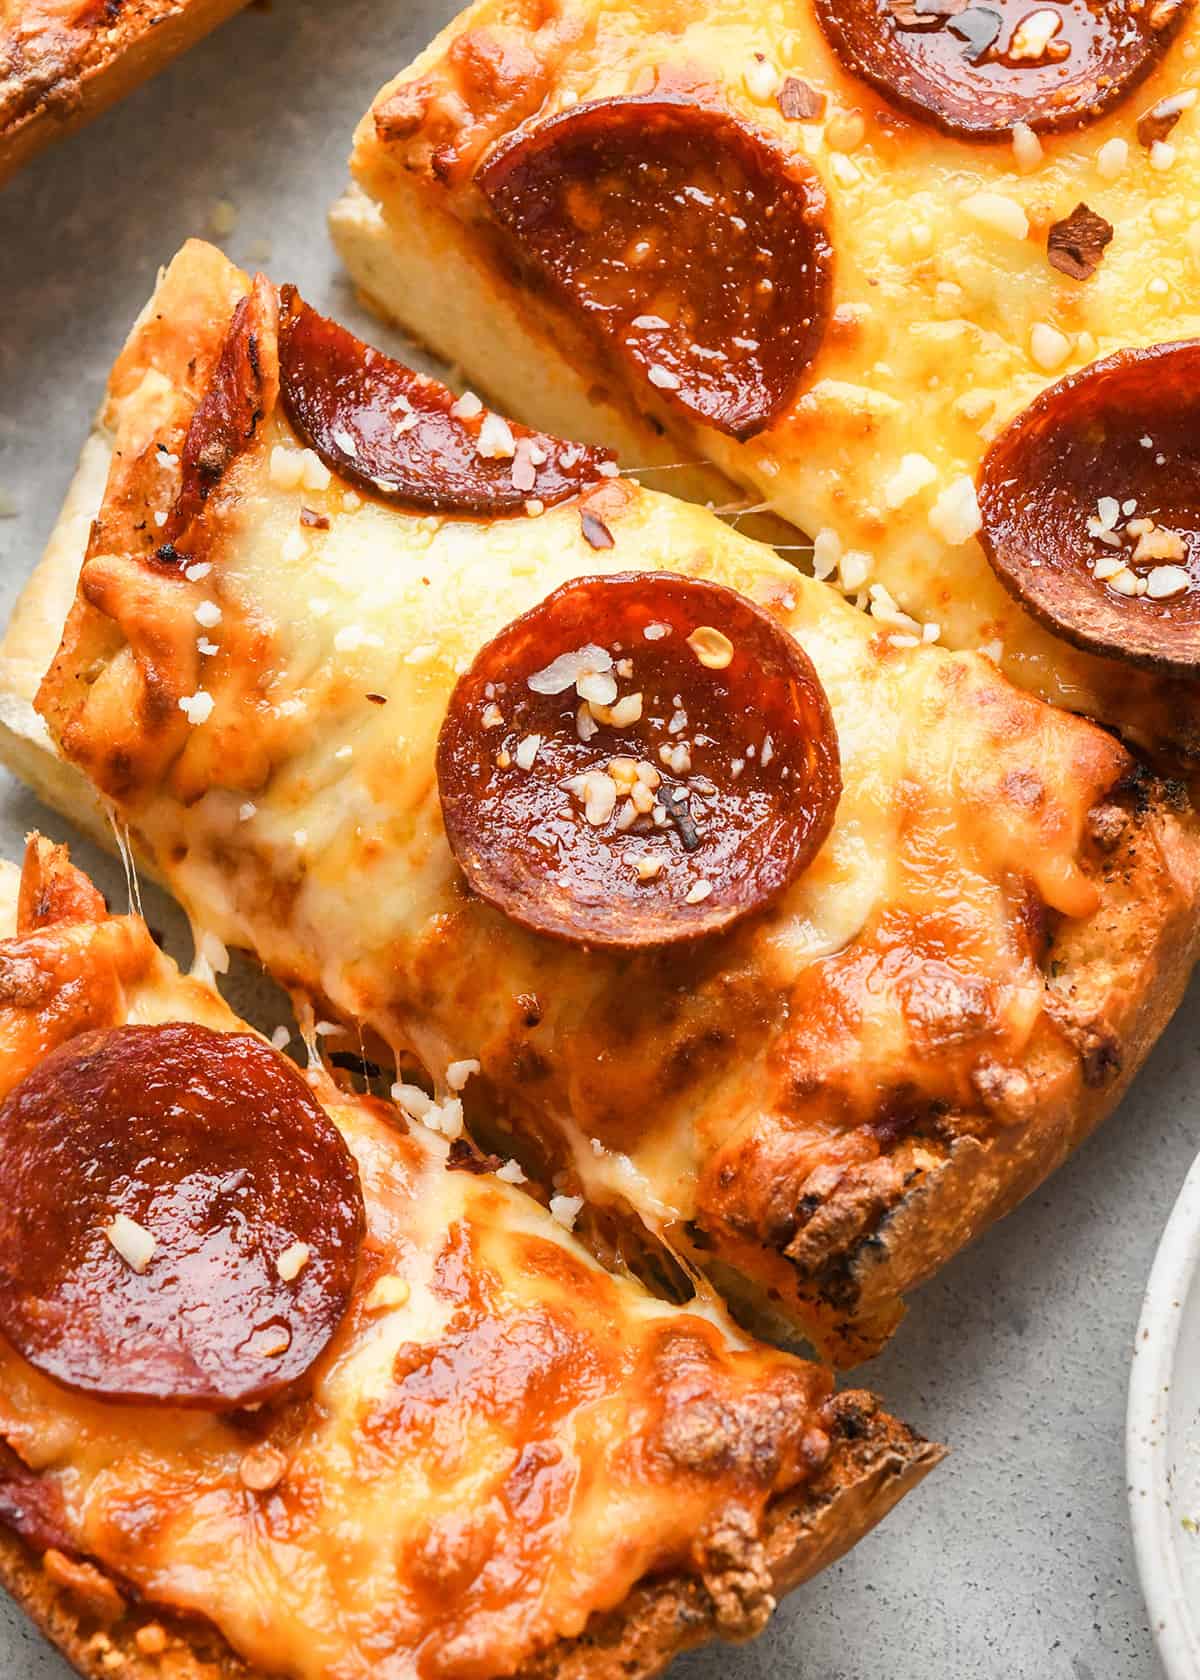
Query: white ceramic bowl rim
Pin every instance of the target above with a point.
(1157, 1524)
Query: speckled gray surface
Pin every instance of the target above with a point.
(1014, 1559)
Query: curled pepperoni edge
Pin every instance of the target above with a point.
(332, 382)
(860, 54)
(521, 149)
(241, 392)
(137, 1354)
(645, 926)
(1071, 602)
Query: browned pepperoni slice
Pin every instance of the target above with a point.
(1101, 475)
(977, 69)
(240, 393)
(640, 759)
(695, 247)
(398, 435)
(151, 1179)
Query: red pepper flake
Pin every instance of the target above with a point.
(377, 699)
(464, 1157)
(1156, 123)
(1076, 245)
(318, 521)
(798, 102)
(595, 530)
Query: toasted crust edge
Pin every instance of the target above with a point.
(875, 1462)
(136, 47)
(1125, 971)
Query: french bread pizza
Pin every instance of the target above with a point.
(64, 61)
(292, 1386)
(791, 948)
(921, 278)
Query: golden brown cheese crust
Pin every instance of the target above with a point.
(511, 1398)
(64, 61)
(830, 1101)
(943, 327)
(876, 1461)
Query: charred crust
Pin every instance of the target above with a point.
(733, 1566)
(851, 1415)
(1107, 825)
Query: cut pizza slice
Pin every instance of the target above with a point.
(290, 1382)
(844, 250)
(798, 945)
(64, 61)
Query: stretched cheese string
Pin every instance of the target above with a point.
(125, 850)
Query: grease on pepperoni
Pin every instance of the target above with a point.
(977, 69)
(1090, 502)
(695, 248)
(408, 439)
(151, 1177)
(640, 759)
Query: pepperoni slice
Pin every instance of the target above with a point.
(159, 1186)
(640, 759)
(408, 439)
(976, 69)
(239, 395)
(695, 248)
(1091, 506)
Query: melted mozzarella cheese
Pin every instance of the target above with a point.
(491, 1453)
(695, 1086)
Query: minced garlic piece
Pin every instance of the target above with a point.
(565, 1209)
(1027, 148)
(527, 751)
(133, 1242)
(1048, 347)
(388, 1291)
(286, 467)
(458, 1073)
(292, 1261)
(495, 441)
(1165, 581)
(997, 214)
(1112, 159)
(712, 647)
(761, 79)
(955, 515)
(1160, 544)
(909, 479)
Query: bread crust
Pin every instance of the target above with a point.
(1122, 974)
(56, 77)
(876, 1460)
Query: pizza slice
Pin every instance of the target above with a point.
(922, 279)
(797, 948)
(290, 1385)
(64, 61)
